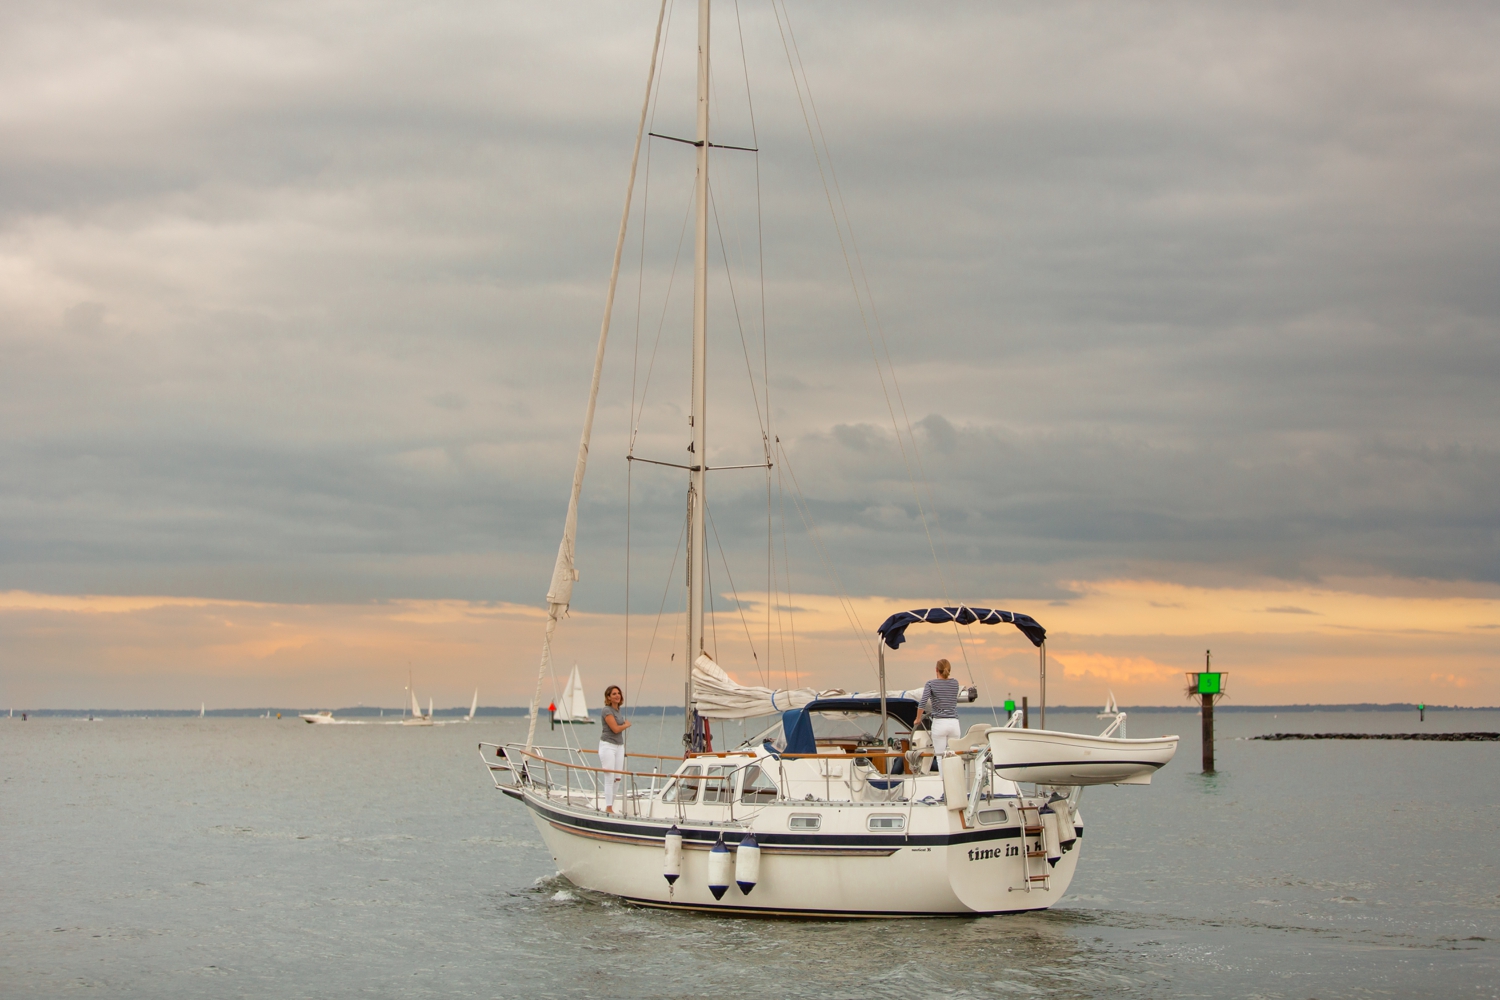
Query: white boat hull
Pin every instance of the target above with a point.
(1046, 757)
(843, 871)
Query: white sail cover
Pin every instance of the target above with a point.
(573, 707)
(716, 695)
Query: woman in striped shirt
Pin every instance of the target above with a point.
(942, 694)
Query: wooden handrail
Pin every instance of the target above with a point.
(884, 754)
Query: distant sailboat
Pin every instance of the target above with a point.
(574, 710)
(416, 718)
(202, 709)
(473, 707)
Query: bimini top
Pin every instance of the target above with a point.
(893, 630)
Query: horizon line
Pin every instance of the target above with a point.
(523, 710)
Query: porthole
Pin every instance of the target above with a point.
(805, 822)
(885, 824)
(991, 817)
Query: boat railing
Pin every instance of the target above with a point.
(578, 783)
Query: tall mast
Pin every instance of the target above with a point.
(696, 558)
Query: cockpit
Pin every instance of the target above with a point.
(852, 726)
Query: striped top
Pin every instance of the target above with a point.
(942, 693)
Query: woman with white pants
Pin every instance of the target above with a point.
(612, 743)
(942, 694)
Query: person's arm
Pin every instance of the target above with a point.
(610, 720)
(926, 696)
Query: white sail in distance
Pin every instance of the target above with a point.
(573, 707)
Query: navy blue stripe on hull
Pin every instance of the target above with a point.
(645, 832)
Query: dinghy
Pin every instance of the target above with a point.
(1046, 757)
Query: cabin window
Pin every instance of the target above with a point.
(805, 822)
(683, 789)
(991, 817)
(716, 785)
(885, 824)
(757, 786)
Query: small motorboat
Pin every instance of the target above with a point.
(326, 718)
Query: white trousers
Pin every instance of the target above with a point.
(611, 758)
(944, 730)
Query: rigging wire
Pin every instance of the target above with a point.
(661, 325)
(890, 365)
(734, 590)
(564, 572)
(786, 569)
(765, 367)
(708, 588)
(655, 629)
(735, 302)
(640, 285)
(783, 16)
(846, 603)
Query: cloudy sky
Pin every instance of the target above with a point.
(1193, 310)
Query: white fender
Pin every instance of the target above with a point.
(1050, 837)
(747, 864)
(1067, 833)
(955, 782)
(720, 868)
(673, 862)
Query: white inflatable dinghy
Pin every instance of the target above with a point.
(1052, 758)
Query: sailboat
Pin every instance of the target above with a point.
(574, 709)
(839, 807)
(416, 718)
(473, 707)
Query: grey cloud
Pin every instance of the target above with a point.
(299, 301)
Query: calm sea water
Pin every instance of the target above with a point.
(245, 857)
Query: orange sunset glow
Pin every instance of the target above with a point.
(1132, 637)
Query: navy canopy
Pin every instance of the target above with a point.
(797, 729)
(893, 631)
